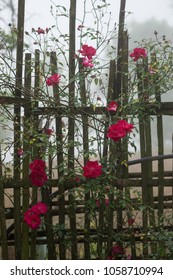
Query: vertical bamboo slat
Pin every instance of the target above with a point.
(160, 162)
(35, 150)
(26, 149)
(143, 166)
(119, 93)
(106, 159)
(17, 114)
(71, 124)
(85, 149)
(60, 161)
(4, 242)
(3, 228)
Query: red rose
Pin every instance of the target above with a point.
(138, 53)
(53, 80)
(32, 215)
(115, 132)
(130, 221)
(92, 169)
(37, 165)
(39, 208)
(125, 125)
(33, 220)
(48, 131)
(38, 178)
(87, 51)
(112, 106)
(119, 130)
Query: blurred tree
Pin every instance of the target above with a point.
(8, 18)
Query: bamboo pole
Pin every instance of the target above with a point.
(60, 161)
(71, 123)
(18, 87)
(26, 160)
(85, 149)
(35, 151)
(3, 228)
(111, 158)
(143, 165)
(119, 88)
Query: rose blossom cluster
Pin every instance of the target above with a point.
(38, 175)
(138, 53)
(119, 130)
(92, 169)
(32, 215)
(87, 52)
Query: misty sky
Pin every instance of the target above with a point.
(142, 17)
(38, 12)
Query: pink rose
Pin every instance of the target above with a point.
(20, 152)
(53, 80)
(87, 62)
(87, 51)
(138, 53)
